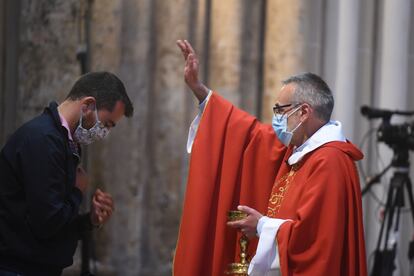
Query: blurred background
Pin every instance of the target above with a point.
(363, 49)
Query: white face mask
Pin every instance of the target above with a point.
(87, 136)
(279, 124)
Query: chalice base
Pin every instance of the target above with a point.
(237, 269)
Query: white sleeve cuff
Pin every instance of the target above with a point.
(260, 223)
(266, 257)
(192, 132)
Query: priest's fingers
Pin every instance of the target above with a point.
(183, 48)
(243, 223)
(192, 62)
(189, 47)
(193, 67)
(249, 211)
(236, 224)
(246, 227)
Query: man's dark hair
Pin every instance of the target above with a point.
(311, 89)
(105, 87)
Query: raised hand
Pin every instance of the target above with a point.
(191, 69)
(102, 207)
(247, 225)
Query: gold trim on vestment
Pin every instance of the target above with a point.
(279, 193)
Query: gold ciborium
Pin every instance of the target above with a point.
(241, 267)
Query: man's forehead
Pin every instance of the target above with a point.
(285, 94)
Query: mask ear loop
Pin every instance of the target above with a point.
(82, 112)
(96, 116)
(98, 122)
(81, 117)
(300, 123)
(293, 111)
(293, 130)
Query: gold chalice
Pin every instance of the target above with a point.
(241, 267)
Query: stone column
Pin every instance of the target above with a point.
(224, 63)
(166, 134)
(142, 162)
(47, 58)
(9, 40)
(105, 55)
(345, 85)
(251, 55)
(283, 49)
(234, 52)
(2, 69)
(394, 58)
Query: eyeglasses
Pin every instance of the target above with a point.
(280, 109)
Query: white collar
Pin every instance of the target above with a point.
(331, 131)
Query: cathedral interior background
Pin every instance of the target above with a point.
(363, 49)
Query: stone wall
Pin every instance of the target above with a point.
(47, 60)
(143, 163)
(246, 48)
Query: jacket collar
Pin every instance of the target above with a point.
(52, 111)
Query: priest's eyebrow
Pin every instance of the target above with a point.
(277, 105)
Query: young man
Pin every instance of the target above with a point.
(299, 172)
(42, 184)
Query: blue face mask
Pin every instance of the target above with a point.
(279, 124)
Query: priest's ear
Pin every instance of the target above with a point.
(306, 111)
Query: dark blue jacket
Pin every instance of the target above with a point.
(39, 203)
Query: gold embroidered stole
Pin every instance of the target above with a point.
(279, 191)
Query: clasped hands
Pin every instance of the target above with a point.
(102, 205)
(247, 225)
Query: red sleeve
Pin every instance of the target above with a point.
(225, 166)
(327, 236)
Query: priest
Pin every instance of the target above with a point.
(295, 179)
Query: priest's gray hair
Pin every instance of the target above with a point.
(312, 89)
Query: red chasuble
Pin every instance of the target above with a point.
(236, 160)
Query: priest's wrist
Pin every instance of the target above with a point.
(200, 91)
(260, 224)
